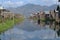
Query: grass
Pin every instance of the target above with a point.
(6, 25)
(9, 24)
(34, 18)
(43, 19)
(17, 20)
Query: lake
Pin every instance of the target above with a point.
(30, 30)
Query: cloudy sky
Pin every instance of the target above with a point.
(15, 3)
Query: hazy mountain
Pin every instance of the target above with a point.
(31, 8)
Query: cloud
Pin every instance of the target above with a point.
(17, 3)
(13, 4)
(49, 2)
(43, 2)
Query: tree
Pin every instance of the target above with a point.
(58, 8)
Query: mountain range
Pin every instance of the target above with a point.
(32, 8)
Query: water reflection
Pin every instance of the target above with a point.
(55, 27)
(52, 25)
(31, 30)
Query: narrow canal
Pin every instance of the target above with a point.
(29, 30)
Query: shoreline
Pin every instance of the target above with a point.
(9, 24)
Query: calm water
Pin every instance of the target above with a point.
(30, 30)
